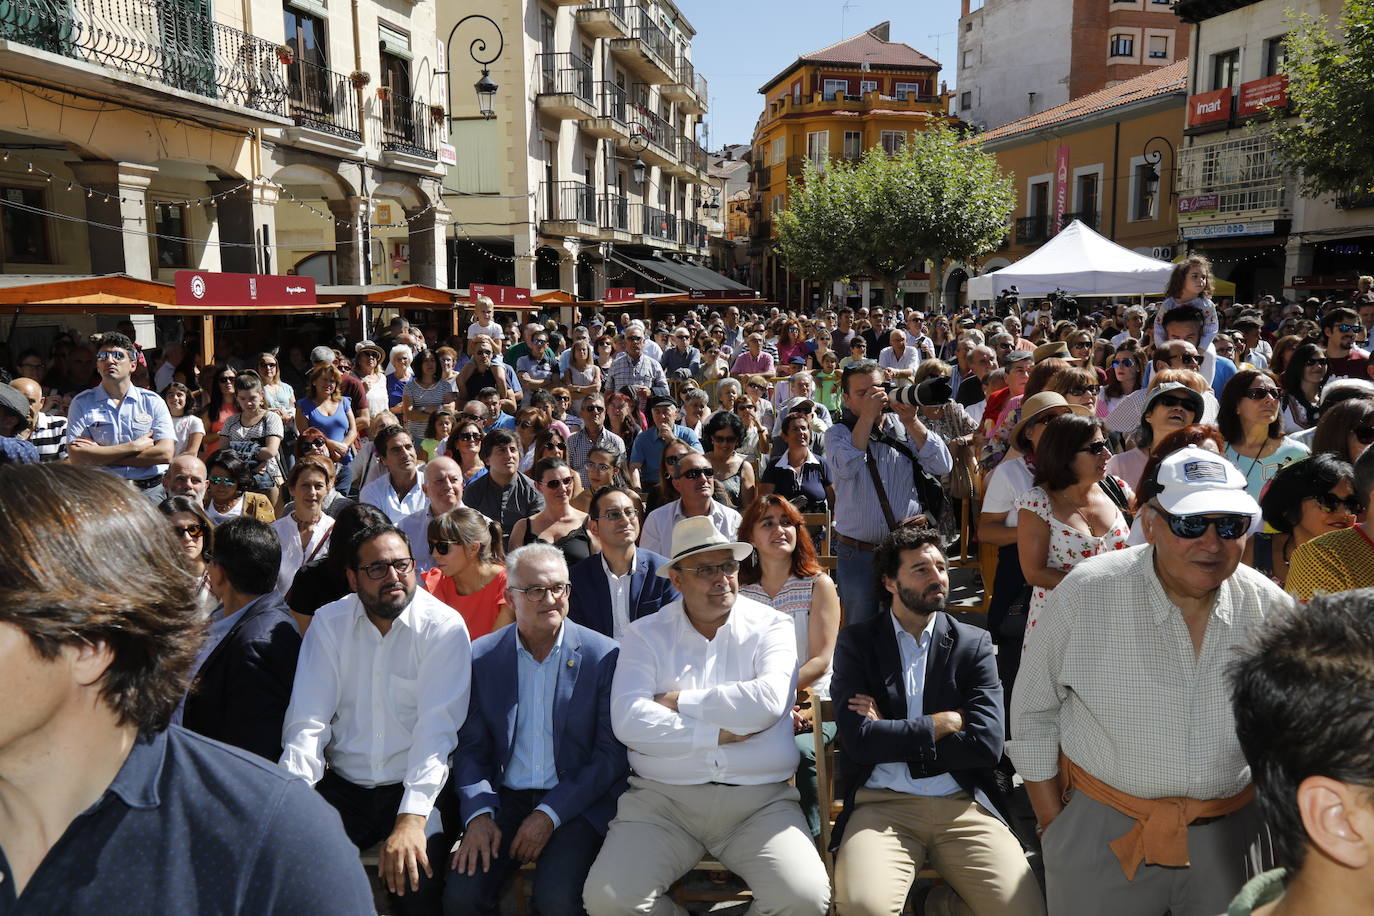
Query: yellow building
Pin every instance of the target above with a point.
(836, 103)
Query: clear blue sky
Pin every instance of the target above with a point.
(740, 44)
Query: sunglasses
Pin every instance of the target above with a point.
(469, 437)
(1318, 361)
(198, 530)
(314, 443)
(725, 440)
(1168, 400)
(712, 570)
(1099, 447)
(441, 547)
(111, 356)
(1080, 345)
(1081, 392)
(696, 473)
(564, 483)
(593, 408)
(1262, 394)
(1123, 363)
(1187, 359)
(224, 481)
(1330, 502)
(1364, 433)
(1349, 328)
(1192, 527)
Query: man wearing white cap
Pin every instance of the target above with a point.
(702, 698)
(1122, 706)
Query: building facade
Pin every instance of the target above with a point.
(836, 103)
(1018, 58)
(591, 159)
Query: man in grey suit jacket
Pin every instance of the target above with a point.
(621, 583)
(538, 770)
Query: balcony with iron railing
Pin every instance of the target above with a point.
(689, 89)
(654, 139)
(693, 234)
(566, 87)
(153, 51)
(615, 218)
(1032, 230)
(322, 100)
(1243, 172)
(648, 51)
(691, 159)
(611, 109)
(847, 103)
(653, 223)
(569, 208)
(408, 127)
(604, 19)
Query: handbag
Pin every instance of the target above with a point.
(961, 477)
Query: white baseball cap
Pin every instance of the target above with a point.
(1195, 481)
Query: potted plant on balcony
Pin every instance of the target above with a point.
(437, 113)
(359, 78)
(286, 55)
(384, 93)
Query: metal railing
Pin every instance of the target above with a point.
(1087, 217)
(699, 86)
(619, 7)
(615, 212)
(1032, 230)
(1243, 172)
(569, 202)
(656, 223)
(693, 233)
(322, 99)
(157, 40)
(691, 153)
(610, 101)
(408, 126)
(650, 126)
(761, 178)
(643, 27)
(564, 72)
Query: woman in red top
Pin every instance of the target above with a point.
(470, 571)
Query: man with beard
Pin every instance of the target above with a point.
(381, 689)
(919, 709)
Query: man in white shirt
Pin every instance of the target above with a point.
(381, 689)
(899, 361)
(1135, 327)
(694, 481)
(702, 698)
(621, 583)
(442, 484)
(400, 492)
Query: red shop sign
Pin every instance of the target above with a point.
(1209, 107)
(500, 295)
(1258, 95)
(201, 287)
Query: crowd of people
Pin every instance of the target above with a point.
(573, 595)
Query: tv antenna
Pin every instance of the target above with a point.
(937, 42)
(844, 11)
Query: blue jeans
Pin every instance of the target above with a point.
(854, 579)
(343, 478)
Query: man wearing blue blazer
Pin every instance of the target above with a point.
(918, 706)
(621, 583)
(538, 770)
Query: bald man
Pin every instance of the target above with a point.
(185, 476)
(442, 483)
(47, 434)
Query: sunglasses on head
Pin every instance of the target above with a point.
(1330, 502)
(1191, 527)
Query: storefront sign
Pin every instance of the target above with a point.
(1228, 230)
(448, 154)
(1324, 281)
(1061, 189)
(199, 287)
(1200, 203)
(620, 294)
(1258, 95)
(1209, 107)
(722, 294)
(500, 295)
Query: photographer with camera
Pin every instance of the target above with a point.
(880, 455)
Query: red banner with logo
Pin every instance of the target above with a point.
(1209, 107)
(1259, 95)
(220, 290)
(620, 294)
(500, 295)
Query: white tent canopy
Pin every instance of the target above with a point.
(1078, 261)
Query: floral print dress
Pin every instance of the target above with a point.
(1068, 546)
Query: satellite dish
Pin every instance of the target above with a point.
(864, 67)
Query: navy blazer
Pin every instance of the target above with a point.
(590, 601)
(961, 674)
(592, 765)
(240, 694)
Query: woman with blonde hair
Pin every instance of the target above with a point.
(583, 376)
(325, 408)
(469, 573)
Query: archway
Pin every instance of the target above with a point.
(953, 290)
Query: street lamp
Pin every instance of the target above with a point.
(485, 87)
(1153, 159)
(639, 171)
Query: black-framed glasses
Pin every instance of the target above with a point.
(537, 593)
(593, 408)
(710, 571)
(1330, 502)
(1191, 527)
(1168, 400)
(1262, 393)
(696, 474)
(404, 567)
(1096, 447)
(469, 437)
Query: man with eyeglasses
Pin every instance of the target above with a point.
(1135, 327)
(381, 689)
(635, 369)
(1122, 705)
(755, 360)
(681, 361)
(1187, 322)
(702, 698)
(117, 427)
(647, 451)
(538, 769)
(1338, 561)
(400, 492)
(621, 583)
(695, 483)
(1340, 327)
(592, 435)
(442, 484)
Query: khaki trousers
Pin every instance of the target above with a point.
(890, 836)
(660, 832)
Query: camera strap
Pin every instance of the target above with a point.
(872, 466)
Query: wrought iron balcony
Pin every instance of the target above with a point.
(155, 40)
(408, 126)
(322, 100)
(565, 73)
(693, 234)
(615, 213)
(655, 223)
(569, 202)
(690, 154)
(1032, 230)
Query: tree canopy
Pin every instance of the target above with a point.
(936, 199)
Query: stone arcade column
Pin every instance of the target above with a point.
(429, 247)
(122, 247)
(248, 220)
(351, 240)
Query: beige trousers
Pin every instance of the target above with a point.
(660, 832)
(889, 838)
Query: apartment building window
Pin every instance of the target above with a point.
(1038, 202)
(779, 151)
(776, 205)
(853, 144)
(967, 60)
(833, 87)
(818, 148)
(1085, 195)
(1159, 47)
(1226, 69)
(1144, 185)
(867, 86)
(305, 37)
(1275, 57)
(965, 101)
(1122, 46)
(893, 141)
(169, 222)
(25, 234)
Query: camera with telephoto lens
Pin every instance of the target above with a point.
(930, 393)
(1063, 306)
(1008, 302)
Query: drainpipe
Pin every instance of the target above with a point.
(1116, 171)
(358, 66)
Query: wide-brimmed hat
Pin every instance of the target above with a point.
(367, 346)
(1034, 406)
(1177, 389)
(1057, 349)
(1195, 481)
(692, 536)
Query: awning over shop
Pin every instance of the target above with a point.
(682, 277)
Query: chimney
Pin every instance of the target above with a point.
(881, 31)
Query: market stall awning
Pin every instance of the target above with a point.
(121, 294)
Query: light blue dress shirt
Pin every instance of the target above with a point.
(105, 421)
(858, 514)
(897, 776)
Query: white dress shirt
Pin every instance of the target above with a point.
(383, 495)
(743, 681)
(293, 555)
(619, 587)
(658, 525)
(382, 710)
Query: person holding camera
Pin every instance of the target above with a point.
(875, 454)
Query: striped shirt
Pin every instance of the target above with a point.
(49, 437)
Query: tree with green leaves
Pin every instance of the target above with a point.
(938, 199)
(1331, 89)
